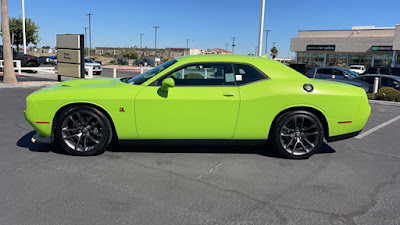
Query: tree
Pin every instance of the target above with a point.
(9, 75)
(274, 52)
(130, 54)
(32, 34)
(46, 47)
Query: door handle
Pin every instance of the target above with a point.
(229, 94)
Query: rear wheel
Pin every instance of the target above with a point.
(83, 130)
(297, 134)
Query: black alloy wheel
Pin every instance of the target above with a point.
(83, 130)
(297, 134)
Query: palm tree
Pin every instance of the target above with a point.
(9, 75)
(274, 52)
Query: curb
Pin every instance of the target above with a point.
(388, 103)
(27, 85)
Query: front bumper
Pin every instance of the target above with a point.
(39, 139)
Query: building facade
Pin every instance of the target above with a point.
(369, 46)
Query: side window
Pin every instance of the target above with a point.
(325, 71)
(203, 74)
(247, 74)
(338, 72)
(369, 80)
(389, 82)
(384, 71)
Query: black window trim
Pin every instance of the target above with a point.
(154, 83)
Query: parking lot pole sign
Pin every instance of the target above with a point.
(70, 55)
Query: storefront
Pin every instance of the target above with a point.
(369, 46)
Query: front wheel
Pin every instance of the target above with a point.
(297, 134)
(83, 130)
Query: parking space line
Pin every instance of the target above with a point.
(377, 128)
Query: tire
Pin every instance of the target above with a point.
(297, 134)
(83, 130)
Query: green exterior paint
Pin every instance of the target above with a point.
(204, 112)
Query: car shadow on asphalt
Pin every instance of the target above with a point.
(260, 149)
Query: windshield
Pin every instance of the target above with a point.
(89, 61)
(352, 74)
(355, 67)
(151, 73)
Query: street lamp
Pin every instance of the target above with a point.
(155, 43)
(141, 40)
(90, 35)
(85, 36)
(187, 45)
(233, 44)
(260, 33)
(266, 41)
(23, 26)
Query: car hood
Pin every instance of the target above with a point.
(85, 84)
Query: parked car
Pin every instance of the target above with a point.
(47, 60)
(384, 81)
(359, 69)
(26, 60)
(384, 70)
(144, 62)
(97, 67)
(299, 67)
(119, 62)
(337, 74)
(198, 98)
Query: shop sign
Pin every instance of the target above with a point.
(381, 48)
(321, 47)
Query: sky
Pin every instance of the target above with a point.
(208, 23)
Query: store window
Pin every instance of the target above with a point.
(339, 60)
(383, 59)
(312, 59)
(360, 59)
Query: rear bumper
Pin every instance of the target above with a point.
(343, 136)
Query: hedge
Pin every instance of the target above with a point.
(388, 94)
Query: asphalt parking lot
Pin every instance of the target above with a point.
(355, 181)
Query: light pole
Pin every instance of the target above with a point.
(233, 44)
(85, 36)
(23, 26)
(155, 43)
(90, 35)
(226, 47)
(260, 33)
(187, 45)
(141, 40)
(266, 41)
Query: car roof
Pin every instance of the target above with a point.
(330, 67)
(381, 75)
(271, 68)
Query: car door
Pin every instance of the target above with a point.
(324, 73)
(204, 104)
(338, 74)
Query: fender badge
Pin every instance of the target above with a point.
(121, 109)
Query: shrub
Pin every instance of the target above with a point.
(388, 94)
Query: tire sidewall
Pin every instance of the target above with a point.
(275, 134)
(107, 130)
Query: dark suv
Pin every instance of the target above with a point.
(26, 60)
(337, 74)
(384, 70)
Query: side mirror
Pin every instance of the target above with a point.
(167, 83)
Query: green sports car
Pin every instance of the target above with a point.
(204, 97)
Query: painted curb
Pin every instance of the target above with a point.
(388, 103)
(27, 85)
